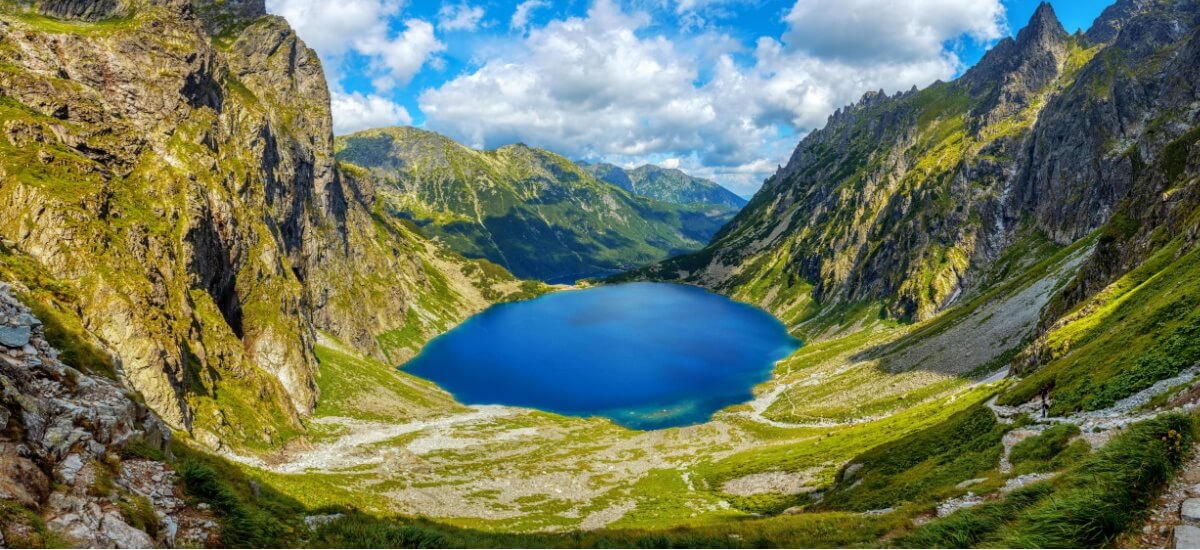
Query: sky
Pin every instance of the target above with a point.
(722, 89)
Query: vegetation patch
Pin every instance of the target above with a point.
(1088, 506)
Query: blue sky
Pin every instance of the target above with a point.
(720, 88)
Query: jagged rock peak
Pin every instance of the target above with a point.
(1043, 29)
(1043, 34)
(1014, 71)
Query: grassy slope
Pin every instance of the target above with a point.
(1142, 328)
(1093, 499)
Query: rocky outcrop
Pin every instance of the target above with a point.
(62, 435)
(224, 17)
(86, 10)
(1022, 68)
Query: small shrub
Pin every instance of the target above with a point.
(138, 512)
(102, 485)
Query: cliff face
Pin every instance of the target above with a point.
(529, 210)
(903, 199)
(171, 164)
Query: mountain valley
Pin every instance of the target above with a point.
(209, 300)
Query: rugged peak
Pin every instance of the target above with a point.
(1013, 71)
(1043, 36)
(1044, 32)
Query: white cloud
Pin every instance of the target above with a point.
(889, 30)
(520, 17)
(353, 112)
(395, 60)
(602, 87)
(459, 17)
(335, 29)
(609, 85)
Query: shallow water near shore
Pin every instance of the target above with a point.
(647, 355)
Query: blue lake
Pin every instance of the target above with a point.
(647, 355)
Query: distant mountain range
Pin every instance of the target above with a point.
(534, 212)
(665, 184)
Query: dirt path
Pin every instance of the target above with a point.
(353, 449)
(1096, 427)
(1120, 415)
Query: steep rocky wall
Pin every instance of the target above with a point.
(137, 171)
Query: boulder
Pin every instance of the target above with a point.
(1187, 536)
(1189, 512)
(15, 337)
(69, 468)
(123, 535)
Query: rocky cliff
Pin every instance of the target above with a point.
(167, 167)
(529, 210)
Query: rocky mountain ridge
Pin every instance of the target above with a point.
(903, 198)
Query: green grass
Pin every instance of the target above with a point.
(924, 468)
(1088, 506)
(249, 513)
(803, 448)
(361, 387)
(1140, 329)
(24, 528)
(1049, 451)
(50, 25)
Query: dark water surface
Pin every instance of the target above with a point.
(647, 355)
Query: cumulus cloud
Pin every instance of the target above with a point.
(336, 29)
(459, 17)
(355, 111)
(892, 30)
(520, 17)
(611, 85)
(601, 86)
(395, 60)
